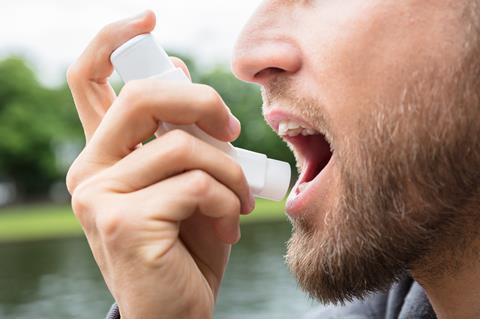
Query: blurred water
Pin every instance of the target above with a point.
(59, 279)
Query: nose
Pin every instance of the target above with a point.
(265, 48)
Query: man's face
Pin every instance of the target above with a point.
(386, 94)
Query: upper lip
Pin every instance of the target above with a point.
(275, 115)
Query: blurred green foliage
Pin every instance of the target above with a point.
(33, 120)
(37, 122)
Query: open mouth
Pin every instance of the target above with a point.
(311, 148)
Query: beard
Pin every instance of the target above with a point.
(408, 190)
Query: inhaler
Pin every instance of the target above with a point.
(142, 57)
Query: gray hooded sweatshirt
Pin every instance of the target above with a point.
(405, 300)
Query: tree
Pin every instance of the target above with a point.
(33, 120)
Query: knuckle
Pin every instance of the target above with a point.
(74, 72)
(211, 103)
(77, 172)
(82, 201)
(109, 224)
(209, 99)
(72, 180)
(132, 92)
(200, 183)
(107, 31)
(96, 212)
(182, 144)
(237, 174)
(74, 176)
(152, 258)
(236, 206)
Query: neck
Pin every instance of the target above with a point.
(452, 283)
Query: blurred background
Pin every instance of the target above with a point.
(46, 268)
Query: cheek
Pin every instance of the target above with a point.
(363, 52)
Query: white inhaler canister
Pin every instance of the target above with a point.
(142, 57)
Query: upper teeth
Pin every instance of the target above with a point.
(291, 128)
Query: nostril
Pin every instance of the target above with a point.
(268, 72)
(257, 62)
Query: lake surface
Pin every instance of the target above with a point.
(59, 279)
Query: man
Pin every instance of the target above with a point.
(385, 212)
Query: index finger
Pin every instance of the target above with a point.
(143, 104)
(88, 76)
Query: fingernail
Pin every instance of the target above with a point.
(234, 126)
(251, 203)
(239, 234)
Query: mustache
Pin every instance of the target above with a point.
(282, 92)
(279, 88)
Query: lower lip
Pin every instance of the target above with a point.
(316, 190)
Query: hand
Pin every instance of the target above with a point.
(159, 218)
